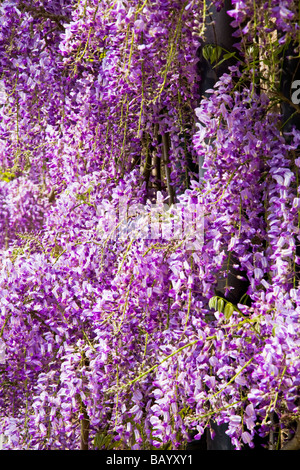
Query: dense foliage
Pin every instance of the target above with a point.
(119, 341)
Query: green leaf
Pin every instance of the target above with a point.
(213, 303)
(257, 328)
(243, 300)
(228, 311)
(207, 51)
(102, 440)
(226, 57)
(7, 176)
(211, 53)
(220, 306)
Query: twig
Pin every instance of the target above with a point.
(287, 100)
(294, 443)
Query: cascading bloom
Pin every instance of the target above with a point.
(116, 331)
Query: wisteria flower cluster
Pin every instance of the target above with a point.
(119, 342)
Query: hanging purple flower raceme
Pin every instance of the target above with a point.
(102, 323)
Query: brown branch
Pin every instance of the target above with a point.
(37, 317)
(51, 196)
(42, 13)
(294, 443)
(85, 428)
(156, 170)
(166, 147)
(85, 421)
(287, 100)
(147, 166)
